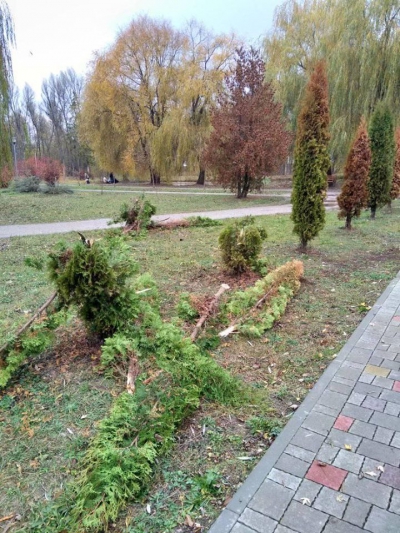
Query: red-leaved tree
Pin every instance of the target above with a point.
(249, 137)
(44, 168)
(354, 194)
(395, 189)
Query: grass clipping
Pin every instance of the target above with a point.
(254, 311)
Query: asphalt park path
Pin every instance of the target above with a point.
(21, 230)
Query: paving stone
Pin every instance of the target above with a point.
(333, 399)
(283, 478)
(257, 521)
(366, 378)
(369, 390)
(359, 413)
(356, 512)
(363, 429)
(349, 374)
(393, 365)
(343, 423)
(352, 462)
(342, 379)
(395, 502)
(384, 354)
(224, 523)
(359, 355)
(327, 475)
(370, 469)
(341, 439)
(367, 490)
(396, 386)
(308, 440)
(391, 477)
(396, 440)
(339, 526)
(271, 499)
(300, 453)
(380, 452)
(308, 489)
(292, 465)
(283, 529)
(394, 374)
(380, 521)
(367, 342)
(356, 398)
(374, 403)
(376, 371)
(304, 519)
(331, 502)
(240, 528)
(327, 453)
(385, 383)
(318, 422)
(390, 396)
(392, 409)
(326, 410)
(383, 435)
(375, 360)
(386, 421)
(339, 387)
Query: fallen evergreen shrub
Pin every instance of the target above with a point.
(136, 217)
(266, 301)
(25, 185)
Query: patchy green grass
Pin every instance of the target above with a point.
(217, 446)
(35, 208)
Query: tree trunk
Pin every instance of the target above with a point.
(202, 177)
(348, 221)
(303, 245)
(373, 212)
(154, 177)
(243, 186)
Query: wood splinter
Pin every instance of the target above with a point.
(210, 309)
(133, 372)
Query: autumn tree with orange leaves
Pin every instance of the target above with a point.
(354, 194)
(249, 137)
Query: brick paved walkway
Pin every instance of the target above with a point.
(335, 466)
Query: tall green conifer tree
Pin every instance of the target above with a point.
(311, 159)
(381, 133)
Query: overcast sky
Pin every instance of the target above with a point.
(53, 35)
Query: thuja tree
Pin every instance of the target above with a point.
(249, 137)
(381, 133)
(354, 194)
(311, 159)
(395, 189)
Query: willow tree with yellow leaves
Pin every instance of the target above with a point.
(360, 43)
(146, 102)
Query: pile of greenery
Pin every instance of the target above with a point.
(136, 217)
(35, 184)
(266, 301)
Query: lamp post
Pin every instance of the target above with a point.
(14, 141)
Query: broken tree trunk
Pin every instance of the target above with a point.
(210, 309)
(133, 372)
(30, 322)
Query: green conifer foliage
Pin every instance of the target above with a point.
(354, 194)
(381, 133)
(311, 159)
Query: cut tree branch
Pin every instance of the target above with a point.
(210, 309)
(30, 322)
(133, 372)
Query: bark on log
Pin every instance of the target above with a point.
(213, 304)
(30, 322)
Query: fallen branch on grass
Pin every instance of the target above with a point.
(210, 309)
(30, 322)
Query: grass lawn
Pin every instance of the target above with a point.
(35, 208)
(49, 414)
